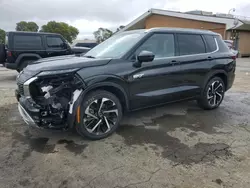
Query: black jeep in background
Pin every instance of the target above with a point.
(22, 48)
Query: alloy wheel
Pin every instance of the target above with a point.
(215, 93)
(100, 116)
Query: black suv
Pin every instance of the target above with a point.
(23, 48)
(129, 71)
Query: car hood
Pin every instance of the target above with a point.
(65, 62)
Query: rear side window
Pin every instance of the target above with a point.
(222, 45)
(190, 44)
(162, 45)
(28, 42)
(211, 44)
(53, 41)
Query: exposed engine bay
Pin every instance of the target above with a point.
(55, 97)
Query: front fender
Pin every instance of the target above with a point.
(96, 82)
(107, 79)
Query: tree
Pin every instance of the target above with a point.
(102, 34)
(68, 32)
(2, 36)
(27, 26)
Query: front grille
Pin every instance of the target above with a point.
(20, 88)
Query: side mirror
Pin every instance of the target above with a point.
(144, 56)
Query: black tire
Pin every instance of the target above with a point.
(2, 54)
(211, 99)
(91, 101)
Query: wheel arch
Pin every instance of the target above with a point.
(114, 88)
(219, 73)
(27, 56)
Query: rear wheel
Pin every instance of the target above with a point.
(2, 54)
(101, 113)
(213, 94)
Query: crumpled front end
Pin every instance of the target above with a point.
(48, 101)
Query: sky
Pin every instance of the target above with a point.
(89, 15)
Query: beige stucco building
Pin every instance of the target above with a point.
(229, 28)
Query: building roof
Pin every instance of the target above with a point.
(138, 23)
(245, 26)
(246, 22)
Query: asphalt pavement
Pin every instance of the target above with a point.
(174, 146)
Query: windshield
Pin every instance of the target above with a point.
(115, 46)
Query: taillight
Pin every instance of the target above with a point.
(9, 54)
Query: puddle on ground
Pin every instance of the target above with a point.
(41, 145)
(173, 149)
(35, 144)
(194, 119)
(72, 146)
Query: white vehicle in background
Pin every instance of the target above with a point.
(230, 45)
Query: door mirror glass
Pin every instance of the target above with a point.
(145, 56)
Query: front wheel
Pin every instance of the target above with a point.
(213, 94)
(101, 113)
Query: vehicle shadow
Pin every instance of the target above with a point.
(183, 114)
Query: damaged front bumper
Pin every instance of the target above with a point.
(49, 103)
(29, 113)
(26, 117)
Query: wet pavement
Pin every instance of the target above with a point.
(176, 146)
